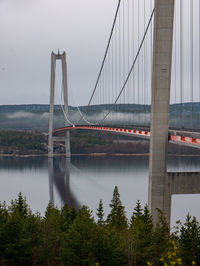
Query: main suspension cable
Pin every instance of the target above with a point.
(106, 52)
(128, 76)
(136, 57)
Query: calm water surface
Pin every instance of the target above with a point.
(86, 179)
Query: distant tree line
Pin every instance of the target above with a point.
(22, 142)
(34, 142)
(73, 237)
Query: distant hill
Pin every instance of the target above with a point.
(35, 116)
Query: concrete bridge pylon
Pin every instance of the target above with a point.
(66, 138)
(161, 81)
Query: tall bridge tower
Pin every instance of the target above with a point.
(66, 138)
(161, 81)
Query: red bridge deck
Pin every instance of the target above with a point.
(183, 140)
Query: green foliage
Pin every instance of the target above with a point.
(78, 247)
(189, 241)
(71, 237)
(100, 213)
(22, 142)
(141, 244)
(137, 211)
(51, 234)
(20, 233)
(117, 217)
(161, 238)
(171, 257)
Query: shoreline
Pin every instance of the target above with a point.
(92, 155)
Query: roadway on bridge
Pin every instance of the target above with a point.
(173, 138)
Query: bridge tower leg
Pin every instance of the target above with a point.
(52, 139)
(161, 81)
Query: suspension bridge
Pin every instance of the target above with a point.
(149, 78)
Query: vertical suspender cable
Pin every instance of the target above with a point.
(138, 88)
(106, 81)
(191, 59)
(131, 69)
(145, 62)
(175, 63)
(199, 68)
(181, 61)
(112, 65)
(103, 82)
(151, 58)
(119, 67)
(105, 55)
(116, 79)
(128, 54)
(134, 62)
(133, 43)
(142, 66)
(123, 55)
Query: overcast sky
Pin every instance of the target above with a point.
(31, 29)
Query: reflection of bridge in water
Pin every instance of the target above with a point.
(59, 178)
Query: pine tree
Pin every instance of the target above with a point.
(20, 206)
(161, 237)
(147, 217)
(51, 234)
(141, 232)
(190, 240)
(3, 233)
(21, 233)
(73, 214)
(137, 213)
(79, 243)
(100, 213)
(117, 217)
(65, 217)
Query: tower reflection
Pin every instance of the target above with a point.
(59, 179)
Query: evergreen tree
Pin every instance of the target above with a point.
(137, 213)
(20, 206)
(79, 243)
(73, 214)
(51, 235)
(117, 217)
(109, 246)
(65, 218)
(190, 241)
(21, 234)
(147, 217)
(140, 236)
(3, 222)
(161, 237)
(100, 213)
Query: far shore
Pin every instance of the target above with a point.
(91, 154)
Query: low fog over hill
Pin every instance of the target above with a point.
(35, 116)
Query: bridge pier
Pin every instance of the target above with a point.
(52, 139)
(161, 81)
(180, 183)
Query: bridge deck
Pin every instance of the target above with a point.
(175, 139)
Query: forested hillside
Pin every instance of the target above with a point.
(35, 116)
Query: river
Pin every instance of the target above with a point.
(87, 179)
